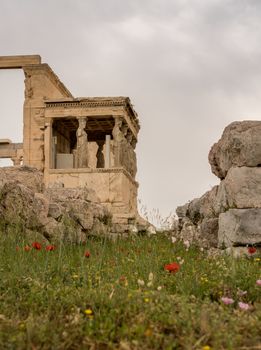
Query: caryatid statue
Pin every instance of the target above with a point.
(82, 144)
(118, 139)
(123, 151)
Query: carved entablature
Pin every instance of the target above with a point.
(96, 103)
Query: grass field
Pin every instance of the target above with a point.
(119, 296)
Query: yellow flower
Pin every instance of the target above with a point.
(206, 347)
(146, 300)
(75, 276)
(148, 332)
(88, 312)
(257, 259)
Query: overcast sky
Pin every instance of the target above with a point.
(190, 68)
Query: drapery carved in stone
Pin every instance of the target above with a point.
(118, 138)
(28, 91)
(82, 144)
(124, 153)
(100, 155)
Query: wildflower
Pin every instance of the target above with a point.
(151, 276)
(149, 284)
(251, 250)
(37, 245)
(173, 239)
(243, 306)
(148, 332)
(141, 282)
(88, 312)
(173, 267)
(186, 244)
(258, 282)
(206, 347)
(50, 247)
(17, 248)
(227, 301)
(241, 292)
(122, 279)
(87, 254)
(146, 300)
(257, 259)
(75, 276)
(27, 248)
(159, 288)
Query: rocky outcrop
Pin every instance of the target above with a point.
(57, 213)
(228, 215)
(198, 220)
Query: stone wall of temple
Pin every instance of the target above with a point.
(40, 83)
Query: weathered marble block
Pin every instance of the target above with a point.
(239, 227)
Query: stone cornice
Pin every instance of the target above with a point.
(94, 102)
(38, 68)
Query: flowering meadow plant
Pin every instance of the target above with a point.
(173, 267)
(37, 245)
(138, 293)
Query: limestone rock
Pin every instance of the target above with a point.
(182, 210)
(24, 175)
(209, 231)
(200, 208)
(239, 227)
(240, 145)
(240, 189)
(198, 220)
(56, 213)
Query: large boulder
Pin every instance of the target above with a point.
(240, 189)
(240, 145)
(239, 227)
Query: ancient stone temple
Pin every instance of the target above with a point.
(76, 142)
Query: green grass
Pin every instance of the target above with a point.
(44, 297)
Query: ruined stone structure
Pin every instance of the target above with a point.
(77, 142)
(228, 216)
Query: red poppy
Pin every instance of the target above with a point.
(251, 250)
(50, 247)
(122, 279)
(87, 254)
(36, 245)
(173, 267)
(27, 248)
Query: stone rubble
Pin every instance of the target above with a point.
(56, 213)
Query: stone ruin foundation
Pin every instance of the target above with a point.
(77, 143)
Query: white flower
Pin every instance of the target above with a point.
(159, 288)
(173, 239)
(186, 244)
(141, 282)
(151, 276)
